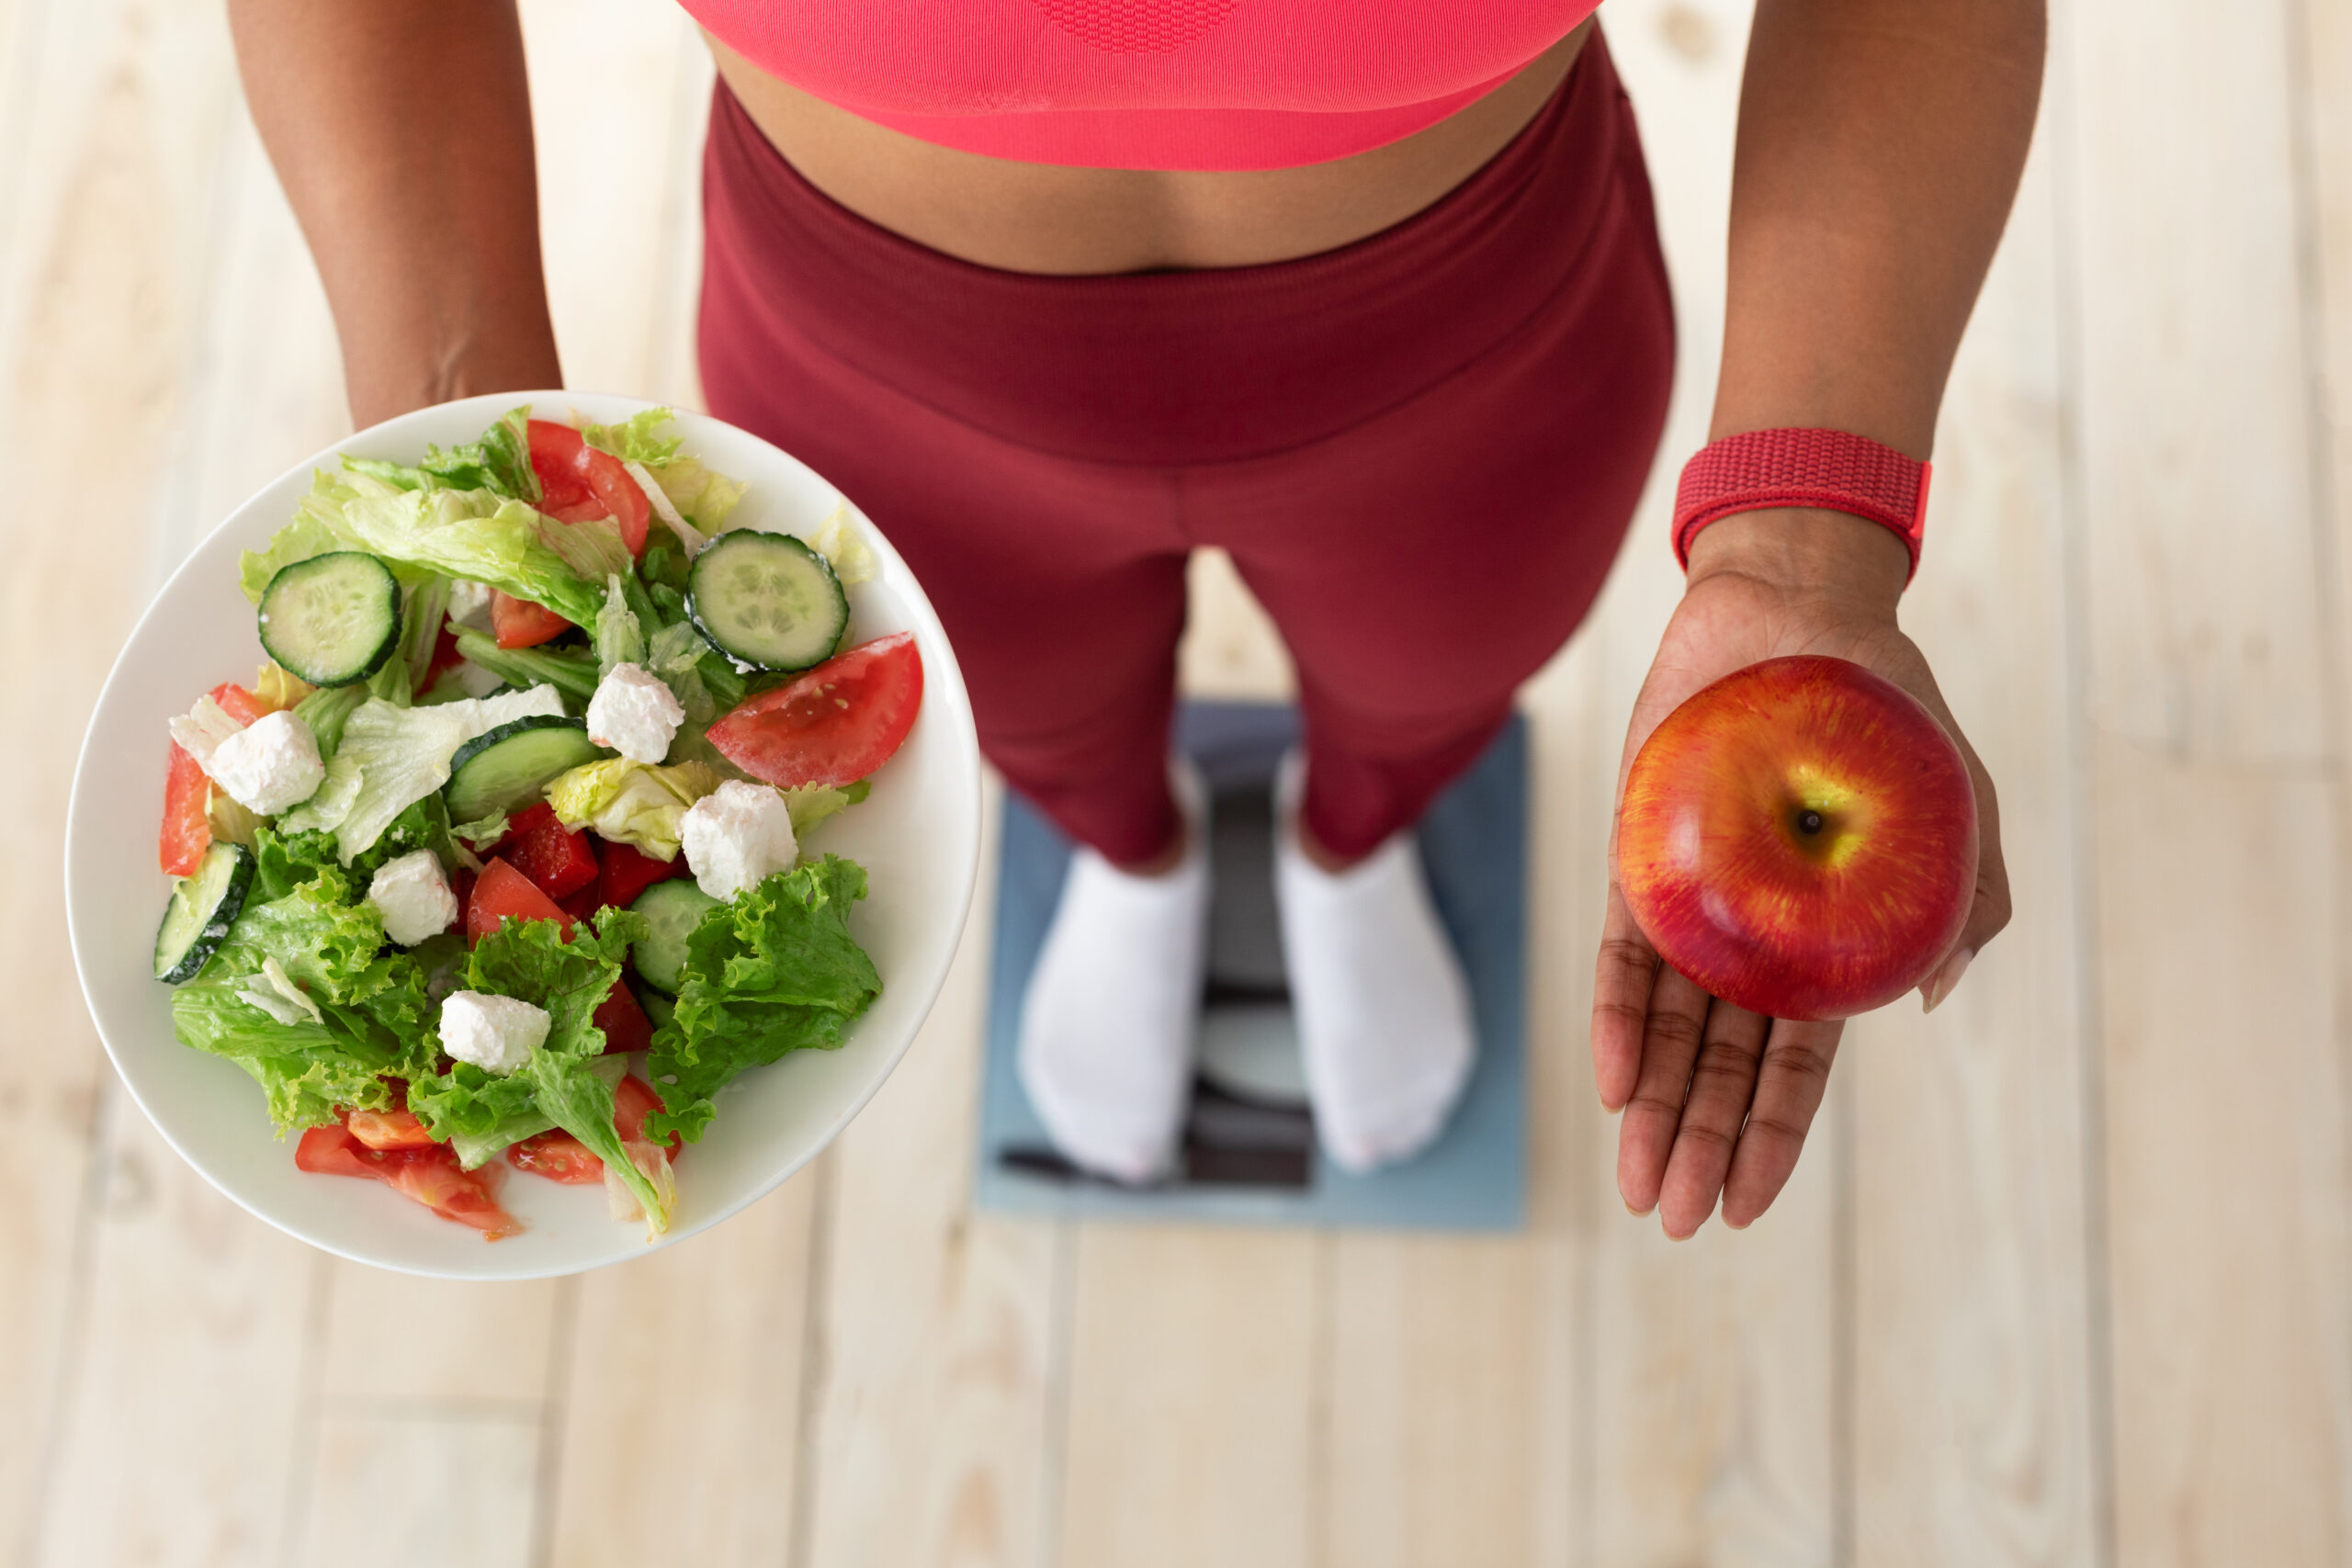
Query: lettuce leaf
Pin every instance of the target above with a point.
(571, 673)
(564, 1081)
(393, 757)
(475, 533)
(374, 1015)
(773, 970)
(635, 439)
(632, 802)
(620, 636)
(500, 461)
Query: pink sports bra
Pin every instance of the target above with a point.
(1145, 84)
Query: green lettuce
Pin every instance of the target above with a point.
(500, 461)
(703, 498)
(326, 711)
(359, 1012)
(632, 802)
(572, 673)
(771, 971)
(635, 439)
(563, 1081)
(620, 636)
(391, 757)
(475, 533)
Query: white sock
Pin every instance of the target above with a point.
(1383, 1013)
(1113, 1006)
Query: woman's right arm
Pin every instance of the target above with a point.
(402, 132)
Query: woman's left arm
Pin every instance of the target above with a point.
(1880, 146)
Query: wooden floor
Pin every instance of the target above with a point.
(2062, 1280)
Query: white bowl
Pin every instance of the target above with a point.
(917, 835)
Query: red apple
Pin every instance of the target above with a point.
(1800, 839)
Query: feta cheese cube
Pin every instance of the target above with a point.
(412, 894)
(495, 1033)
(634, 714)
(737, 835)
(269, 766)
(469, 604)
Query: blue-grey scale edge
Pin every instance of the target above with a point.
(1249, 1154)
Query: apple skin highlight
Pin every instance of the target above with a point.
(1798, 839)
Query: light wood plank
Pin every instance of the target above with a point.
(680, 1421)
(188, 1316)
(2204, 612)
(489, 1342)
(393, 1491)
(2218, 790)
(179, 1447)
(616, 91)
(932, 1405)
(2227, 1148)
(1973, 1418)
(1710, 1369)
(1192, 1388)
(1432, 1418)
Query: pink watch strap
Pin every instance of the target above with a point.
(1828, 468)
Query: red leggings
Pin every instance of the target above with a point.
(1421, 451)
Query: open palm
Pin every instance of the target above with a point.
(1718, 1099)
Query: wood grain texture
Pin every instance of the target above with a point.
(395, 1489)
(1192, 1390)
(180, 1447)
(2204, 616)
(1973, 1437)
(932, 1413)
(1710, 1368)
(619, 91)
(2219, 790)
(2227, 1150)
(678, 1424)
(168, 1322)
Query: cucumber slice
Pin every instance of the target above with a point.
(333, 619)
(766, 599)
(673, 909)
(659, 1009)
(508, 768)
(203, 908)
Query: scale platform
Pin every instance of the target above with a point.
(1249, 1154)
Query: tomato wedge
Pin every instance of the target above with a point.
(556, 859)
(501, 891)
(831, 726)
(559, 1157)
(430, 1176)
(388, 1129)
(623, 1020)
(555, 459)
(186, 834)
(518, 623)
(579, 482)
(624, 871)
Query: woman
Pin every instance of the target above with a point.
(1368, 294)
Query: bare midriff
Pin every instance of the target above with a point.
(1049, 218)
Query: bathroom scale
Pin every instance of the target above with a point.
(1249, 1154)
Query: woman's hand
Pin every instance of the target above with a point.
(1718, 1099)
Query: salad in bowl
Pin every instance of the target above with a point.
(516, 850)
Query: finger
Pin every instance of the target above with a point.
(1670, 1045)
(1723, 1081)
(1789, 1082)
(1621, 1002)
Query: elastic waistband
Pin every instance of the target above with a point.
(1179, 367)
